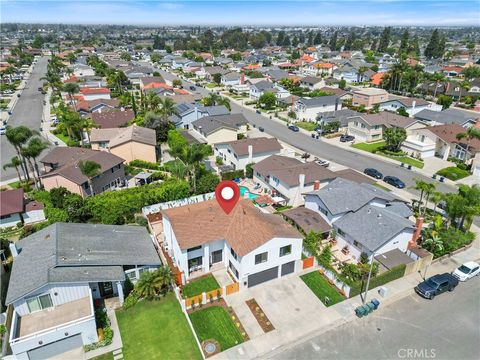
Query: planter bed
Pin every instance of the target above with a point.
(200, 285)
(262, 319)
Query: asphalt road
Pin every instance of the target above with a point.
(28, 112)
(327, 151)
(443, 328)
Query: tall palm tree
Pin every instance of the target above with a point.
(214, 99)
(71, 89)
(429, 190)
(437, 77)
(153, 101)
(167, 108)
(28, 154)
(18, 137)
(435, 198)
(90, 169)
(421, 186)
(16, 163)
(164, 278)
(34, 149)
(469, 135)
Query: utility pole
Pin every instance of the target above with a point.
(364, 300)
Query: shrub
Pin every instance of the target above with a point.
(131, 300)
(249, 170)
(145, 165)
(453, 239)
(462, 166)
(140, 220)
(394, 273)
(233, 175)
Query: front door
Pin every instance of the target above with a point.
(217, 256)
(106, 289)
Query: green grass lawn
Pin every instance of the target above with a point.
(107, 356)
(157, 330)
(309, 126)
(372, 147)
(453, 173)
(62, 137)
(211, 85)
(321, 288)
(381, 187)
(215, 323)
(196, 287)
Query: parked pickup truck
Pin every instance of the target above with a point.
(436, 285)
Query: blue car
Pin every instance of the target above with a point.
(373, 173)
(294, 128)
(394, 181)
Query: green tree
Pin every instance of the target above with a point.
(342, 84)
(384, 41)
(333, 41)
(161, 125)
(125, 56)
(402, 111)
(445, 101)
(155, 57)
(267, 100)
(217, 78)
(318, 39)
(15, 163)
(394, 137)
(71, 89)
(471, 134)
(207, 183)
(280, 38)
(404, 42)
(148, 286)
(18, 137)
(89, 169)
(433, 244)
(432, 47)
(214, 99)
(177, 83)
(471, 72)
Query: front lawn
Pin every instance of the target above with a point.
(453, 173)
(321, 288)
(157, 330)
(214, 322)
(198, 286)
(211, 86)
(309, 126)
(404, 159)
(107, 356)
(375, 147)
(370, 147)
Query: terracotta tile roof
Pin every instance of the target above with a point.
(324, 66)
(448, 133)
(91, 91)
(112, 119)
(156, 85)
(251, 67)
(260, 145)
(245, 228)
(377, 78)
(11, 202)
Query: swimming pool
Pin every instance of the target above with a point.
(244, 190)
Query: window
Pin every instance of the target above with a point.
(39, 303)
(355, 243)
(340, 232)
(323, 211)
(261, 258)
(285, 250)
(233, 254)
(194, 248)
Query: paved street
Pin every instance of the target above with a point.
(327, 151)
(445, 328)
(27, 111)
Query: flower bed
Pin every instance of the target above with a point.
(262, 319)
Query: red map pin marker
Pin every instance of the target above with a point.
(227, 194)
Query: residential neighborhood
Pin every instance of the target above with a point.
(175, 185)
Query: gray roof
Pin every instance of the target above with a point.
(339, 115)
(210, 124)
(215, 110)
(372, 226)
(277, 75)
(264, 85)
(343, 195)
(68, 252)
(448, 116)
(319, 101)
(400, 209)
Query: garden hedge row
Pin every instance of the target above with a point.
(394, 273)
(233, 175)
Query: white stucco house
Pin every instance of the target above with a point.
(59, 272)
(411, 105)
(367, 219)
(251, 245)
(307, 109)
(14, 209)
(239, 153)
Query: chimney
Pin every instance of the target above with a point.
(13, 249)
(301, 182)
(250, 153)
(413, 104)
(416, 234)
(316, 185)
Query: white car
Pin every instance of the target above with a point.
(3, 130)
(467, 271)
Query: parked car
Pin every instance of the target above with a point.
(467, 271)
(193, 88)
(373, 173)
(258, 111)
(436, 285)
(293, 128)
(394, 181)
(347, 138)
(261, 128)
(3, 130)
(323, 163)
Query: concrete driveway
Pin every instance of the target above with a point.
(287, 302)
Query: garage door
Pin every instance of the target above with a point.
(262, 276)
(288, 268)
(57, 348)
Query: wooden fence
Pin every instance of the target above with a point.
(308, 262)
(203, 298)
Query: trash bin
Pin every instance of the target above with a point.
(371, 306)
(360, 311)
(313, 136)
(434, 176)
(409, 167)
(402, 165)
(442, 179)
(383, 291)
(376, 303)
(367, 309)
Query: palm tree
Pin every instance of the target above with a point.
(34, 149)
(435, 198)
(167, 108)
(437, 77)
(18, 137)
(16, 163)
(90, 169)
(214, 99)
(71, 89)
(164, 278)
(433, 243)
(153, 101)
(421, 186)
(361, 71)
(469, 135)
(429, 190)
(29, 153)
(148, 285)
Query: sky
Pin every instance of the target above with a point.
(246, 12)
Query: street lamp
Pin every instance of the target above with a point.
(364, 300)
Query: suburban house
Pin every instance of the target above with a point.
(112, 119)
(221, 128)
(15, 209)
(448, 116)
(411, 105)
(239, 153)
(73, 266)
(253, 246)
(231, 79)
(312, 83)
(145, 81)
(185, 114)
(368, 97)
(440, 141)
(259, 88)
(370, 127)
(87, 107)
(62, 169)
(308, 109)
(290, 178)
(366, 219)
(130, 143)
(95, 93)
(341, 116)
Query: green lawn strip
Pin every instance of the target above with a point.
(453, 173)
(309, 126)
(381, 187)
(107, 356)
(405, 159)
(321, 288)
(196, 287)
(62, 137)
(156, 330)
(215, 323)
(370, 147)
(373, 147)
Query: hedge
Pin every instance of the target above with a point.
(233, 175)
(394, 273)
(145, 165)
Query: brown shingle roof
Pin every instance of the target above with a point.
(11, 202)
(260, 145)
(449, 133)
(118, 136)
(355, 176)
(113, 119)
(311, 170)
(274, 162)
(388, 119)
(88, 105)
(67, 158)
(308, 220)
(245, 228)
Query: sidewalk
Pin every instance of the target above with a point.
(276, 341)
(47, 124)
